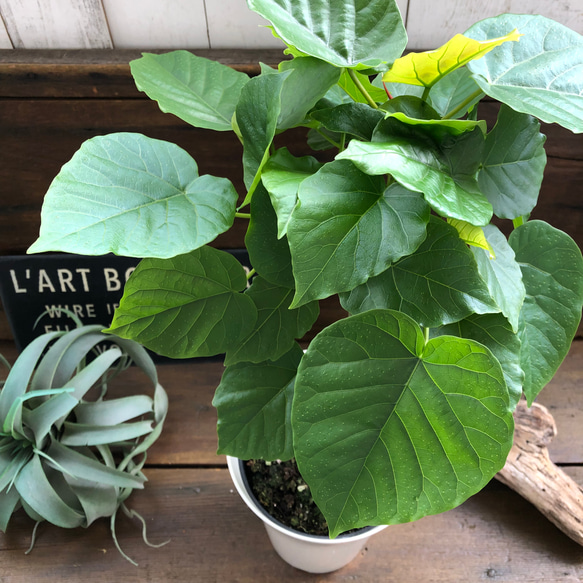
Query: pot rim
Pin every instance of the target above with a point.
(237, 472)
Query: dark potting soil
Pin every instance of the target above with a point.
(281, 490)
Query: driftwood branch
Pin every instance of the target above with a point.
(530, 472)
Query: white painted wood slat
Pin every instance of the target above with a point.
(157, 24)
(432, 23)
(56, 24)
(5, 42)
(232, 25)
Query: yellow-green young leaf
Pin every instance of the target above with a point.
(427, 68)
(472, 235)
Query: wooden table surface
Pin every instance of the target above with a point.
(190, 501)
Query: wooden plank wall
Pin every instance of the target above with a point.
(51, 101)
(217, 24)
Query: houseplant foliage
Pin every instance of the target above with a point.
(69, 454)
(404, 408)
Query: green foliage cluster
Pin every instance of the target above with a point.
(68, 453)
(404, 408)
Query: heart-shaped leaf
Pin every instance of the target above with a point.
(342, 32)
(135, 196)
(282, 176)
(349, 227)
(199, 91)
(514, 163)
(429, 67)
(276, 327)
(445, 174)
(388, 429)
(540, 75)
(253, 404)
(186, 306)
(552, 270)
(494, 332)
(436, 285)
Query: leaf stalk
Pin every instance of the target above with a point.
(361, 88)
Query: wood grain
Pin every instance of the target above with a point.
(495, 536)
(64, 24)
(98, 74)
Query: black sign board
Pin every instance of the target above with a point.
(38, 290)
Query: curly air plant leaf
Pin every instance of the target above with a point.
(68, 454)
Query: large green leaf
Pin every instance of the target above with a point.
(388, 429)
(494, 332)
(436, 285)
(552, 270)
(282, 176)
(342, 32)
(502, 274)
(356, 119)
(135, 196)
(540, 75)
(348, 227)
(277, 326)
(257, 115)
(269, 256)
(452, 92)
(202, 92)
(445, 174)
(253, 404)
(514, 163)
(309, 81)
(186, 306)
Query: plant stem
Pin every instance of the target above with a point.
(335, 144)
(425, 93)
(361, 88)
(463, 104)
(243, 215)
(518, 221)
(250, 274)
(426, 334)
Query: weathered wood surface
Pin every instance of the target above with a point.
(56, 24)
(530, 471)
(230, 23)
(432, 23)
(189, 499)
(214, 538)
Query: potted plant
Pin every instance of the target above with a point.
(403, 408)
(68, 453)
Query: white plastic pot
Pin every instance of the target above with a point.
(314, 554)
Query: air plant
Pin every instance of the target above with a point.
(68, 454)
